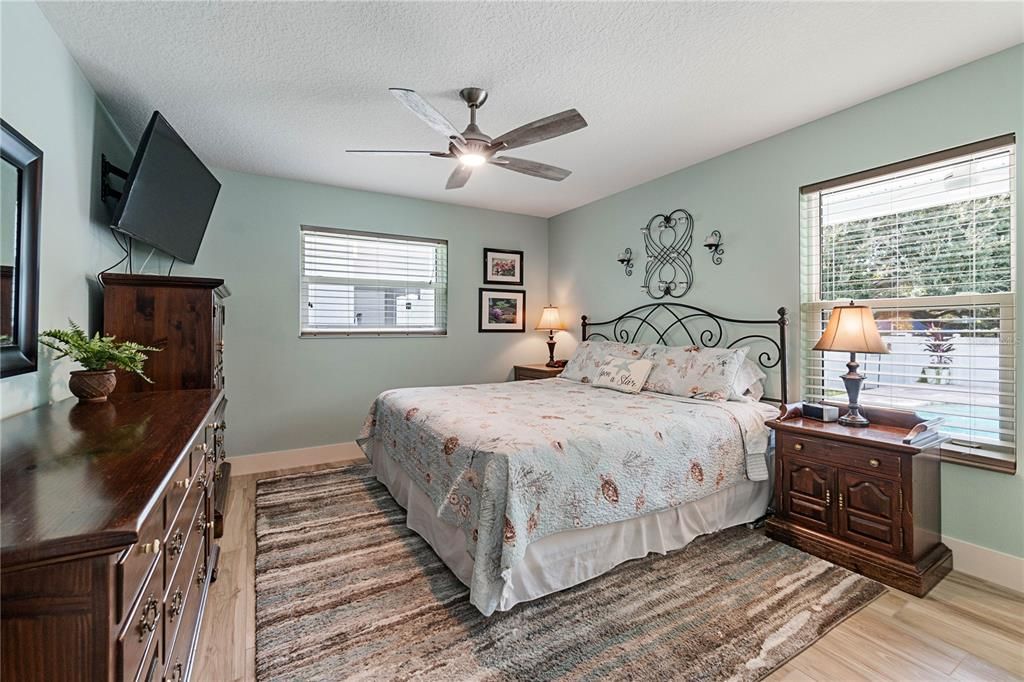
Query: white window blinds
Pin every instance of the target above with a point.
(930, 246)
(367, 283)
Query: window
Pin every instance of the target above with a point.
(366, 283)
(929, 244)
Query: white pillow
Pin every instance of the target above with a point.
(590, 355)
(623, 374)
(694, 372)
(747, 377)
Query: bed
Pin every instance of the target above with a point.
(527, 488)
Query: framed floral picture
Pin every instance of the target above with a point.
(502, 310)
(503, 267)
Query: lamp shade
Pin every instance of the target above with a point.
(851, 329)
(549, 319)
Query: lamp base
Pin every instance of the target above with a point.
(854, 418)
(551, 350)
(853, 381)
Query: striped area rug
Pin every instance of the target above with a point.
(345, 590)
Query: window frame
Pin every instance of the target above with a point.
(440, 329)
(1001, 458)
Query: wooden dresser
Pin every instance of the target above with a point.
(107, 552)
(860, 498)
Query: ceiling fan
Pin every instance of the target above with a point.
(473, 148)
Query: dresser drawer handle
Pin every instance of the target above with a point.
(177, 603)
(874, 463)
(176, 672)
(176, 544)
(798, 447)
(828, 498)
(183, 483)
(150, 615)
(840, 501)
(201, 480)
(202, 447)
(150, 547)
(201, 575)
(201, 523)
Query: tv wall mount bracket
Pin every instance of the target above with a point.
(106, 170)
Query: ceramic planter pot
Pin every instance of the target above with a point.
(92, 386)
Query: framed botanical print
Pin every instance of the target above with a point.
(502, 310)
(503, 267)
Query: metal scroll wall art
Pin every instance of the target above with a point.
(669, 268)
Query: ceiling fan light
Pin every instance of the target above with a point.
(472, 160)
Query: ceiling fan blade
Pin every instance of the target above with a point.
(534, 168)
(426, 111)
(459, 177)
(393, 152)
(541, 129)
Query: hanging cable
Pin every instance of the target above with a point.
(123, 258)
(173, 259)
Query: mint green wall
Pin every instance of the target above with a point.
(46, 98)
(751, 195)
(285, 392)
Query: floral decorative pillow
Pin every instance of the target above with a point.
(623, 374)
(694, 372)
(590, 355)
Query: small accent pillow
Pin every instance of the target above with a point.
(694, 372)
(623, 374)
(748, 381)
(590, 355)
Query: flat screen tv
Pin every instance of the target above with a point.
(169, 194)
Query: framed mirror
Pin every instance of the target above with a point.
(21, 186)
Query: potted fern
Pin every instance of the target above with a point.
(99, 355)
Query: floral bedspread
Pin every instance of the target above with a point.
(510, 463)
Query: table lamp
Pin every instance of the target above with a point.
(550, 322)
(851, 329)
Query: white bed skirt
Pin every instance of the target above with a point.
(569, 558)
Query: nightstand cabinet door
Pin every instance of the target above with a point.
(868, 511)
(807, 492)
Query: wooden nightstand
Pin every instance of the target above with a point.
(860, 498)
(527, 372)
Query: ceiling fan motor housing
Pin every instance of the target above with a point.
(474, 97)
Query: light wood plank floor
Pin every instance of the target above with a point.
(965, 629)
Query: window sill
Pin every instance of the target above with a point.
(990, 461)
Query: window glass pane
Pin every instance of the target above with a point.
(932, 250)
(358, 282)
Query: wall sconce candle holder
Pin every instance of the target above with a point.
(713, 243)
(626, 261)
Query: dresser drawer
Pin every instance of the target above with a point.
(134, 565)
(179, 643)
(142, 633)
(181, 535)
(178, 488)
(841, 455)
(176, 608)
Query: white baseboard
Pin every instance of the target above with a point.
(1002, 569)
(245, 465)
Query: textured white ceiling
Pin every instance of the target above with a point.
(283, 88)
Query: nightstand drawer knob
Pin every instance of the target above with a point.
(874, 463)
(798, 447)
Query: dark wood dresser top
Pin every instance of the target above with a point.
(76, 478)
(875, 435)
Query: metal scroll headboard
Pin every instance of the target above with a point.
(676, 324)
